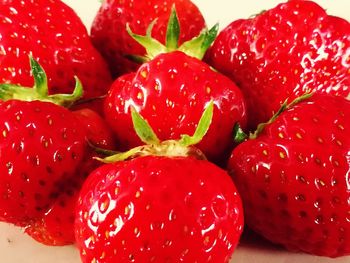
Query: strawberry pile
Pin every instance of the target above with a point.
(157, 139)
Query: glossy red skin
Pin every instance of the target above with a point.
(283, 52)
(41, 145)
(294, 178)
(171, 92)
(56, 37)
(158, 209)
(56, 227)
(109, 35)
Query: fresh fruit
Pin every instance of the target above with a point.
(56, 37)
(171, 92)
(41, 146)
(282, 53)
(109, 35)
(294, 177)
(56, 226)
(164, 206)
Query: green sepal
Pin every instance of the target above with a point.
(284, 106)
(195, 47)
(202, 127)
(153, 47)
(143, 129)
(198, 46)
(173, 31)
(239, 135)
(40, 89)
(164, 148)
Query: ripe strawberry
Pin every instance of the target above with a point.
(109, 35)
(294, 177)
(41, 147)
(56, 227)
(56, 37)
(166, 208)
(283, 52)
(174, 88)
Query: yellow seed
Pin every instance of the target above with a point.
(208, 90)
(339, 142)
(144, 74)
(206, 240)
(138, 194)
(298, 135)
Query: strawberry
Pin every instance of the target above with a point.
(56, 227)
(294, 177)
(41, 145)
(282, 53)
(56, 37)
(109, 35)
(174, 87)
(164, 206)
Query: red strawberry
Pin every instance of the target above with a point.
(283, 52)
(109, 35)
(171, 91)
(54, 34)
(41, 145)
(294, 177)
(56, 227)
(166, 208)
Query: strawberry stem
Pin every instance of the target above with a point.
(40, 89)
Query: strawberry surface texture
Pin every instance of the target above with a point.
(294, 177)
(41, 146)
(158, 209)
(283, 52)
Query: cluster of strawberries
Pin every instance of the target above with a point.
(156, 139)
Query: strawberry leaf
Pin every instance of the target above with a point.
(198, 46)
(195, 47)
(153, 47)
(173, 31)
(143, 129)
(284, 106)
(202, 127)
(40, 89)
(40, 79)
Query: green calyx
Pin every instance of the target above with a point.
(195, 47)
(154, 146)
(40, 89)
(240, 135)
